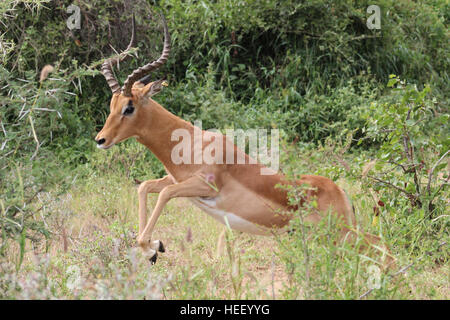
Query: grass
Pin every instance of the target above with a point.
(94, 227)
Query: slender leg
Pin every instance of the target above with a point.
(149, 186)
(192, 187)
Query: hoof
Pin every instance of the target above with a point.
(161, 247)
(153, 259)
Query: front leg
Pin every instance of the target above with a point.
(146, 187)
(193, 187)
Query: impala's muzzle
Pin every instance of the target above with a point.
(102, 143)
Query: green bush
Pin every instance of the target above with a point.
(288, 54)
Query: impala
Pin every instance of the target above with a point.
(235, 194)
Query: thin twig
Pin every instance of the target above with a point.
(439, 190)
(430, 176)
(402, 270)
(35, 137)
(366, 293)
(409, 151)
(442, 216)
(393, 186)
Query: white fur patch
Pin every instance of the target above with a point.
(234, 221)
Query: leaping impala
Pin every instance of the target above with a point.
(241, 196)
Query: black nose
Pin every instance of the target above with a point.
(101, 141)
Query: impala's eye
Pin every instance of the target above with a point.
(128, 109)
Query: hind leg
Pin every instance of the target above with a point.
(371, 244)
(375, 242)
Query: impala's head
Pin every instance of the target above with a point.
(129, 101)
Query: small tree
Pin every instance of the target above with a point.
(413, 154)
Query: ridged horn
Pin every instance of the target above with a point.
(149, 67)
(108, 64)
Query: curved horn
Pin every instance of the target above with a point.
(142, 71)
(107, 66)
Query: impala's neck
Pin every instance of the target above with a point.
(157, 125)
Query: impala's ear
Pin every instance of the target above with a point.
(153, 88)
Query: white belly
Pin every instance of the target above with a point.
(228, 218)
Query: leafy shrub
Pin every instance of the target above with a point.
(408, 176)
(287, 50)
(31, 117)
(410, 162)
